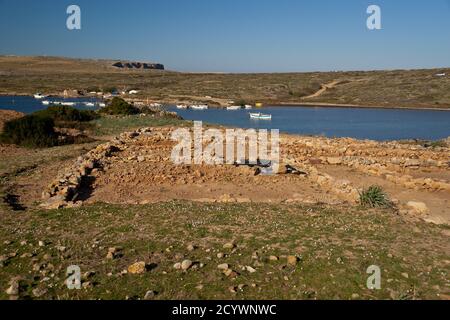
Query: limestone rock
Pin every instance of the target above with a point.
(186, 264)
(418, 207)
(292, 260)
(137, 268)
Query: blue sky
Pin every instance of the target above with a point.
(235, 35)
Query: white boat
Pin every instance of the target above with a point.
(39, 96)
(68, 104)
(102, 104)
(248, 107)
(182, 106)
(46, 103)
(260, 116)
(199, 107)
(232, 108)
(89, 104)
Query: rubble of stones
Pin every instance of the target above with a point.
(65, 190)
(392, 161)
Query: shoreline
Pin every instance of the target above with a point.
(274, 104)
(352, 106)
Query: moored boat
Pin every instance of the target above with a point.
(234, 108)
(199, 107)
(68, 104)
(39, 96)
(46, 103)
(182, 106)
(248, 107)
(260, 116)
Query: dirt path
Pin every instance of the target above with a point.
(322, 90)
(189, 99)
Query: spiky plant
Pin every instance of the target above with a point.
(374, 197)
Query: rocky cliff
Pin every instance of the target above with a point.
(138, 65)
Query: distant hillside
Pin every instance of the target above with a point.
(57, 64)
(396, 88)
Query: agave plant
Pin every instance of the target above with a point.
(374, 197)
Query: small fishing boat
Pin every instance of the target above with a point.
(46, 103)
(199, 107)
(260, 116)
(102, 104)
(232, 108)
(248, 107)
(39, 96)
(68, 104)
(182, 106)
(89, 104)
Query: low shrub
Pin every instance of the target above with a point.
(30, 131)
(118, 106)
(67, 114)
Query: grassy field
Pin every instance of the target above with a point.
(399, 88)
(334, 247)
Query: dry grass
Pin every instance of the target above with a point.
(400, 88)
(334, 246)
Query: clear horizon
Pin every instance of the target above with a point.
(234, 36)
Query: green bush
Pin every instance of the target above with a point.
(374, 197)
(241, 102)
(67, 114)
(110, 89)
(118, 106)
(30, 131)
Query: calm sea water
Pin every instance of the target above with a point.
(30, 104)
(360, 123)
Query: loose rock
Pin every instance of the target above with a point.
(137, 268)
(186, 264)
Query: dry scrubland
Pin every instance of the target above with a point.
(143, 228)
(399, 88)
